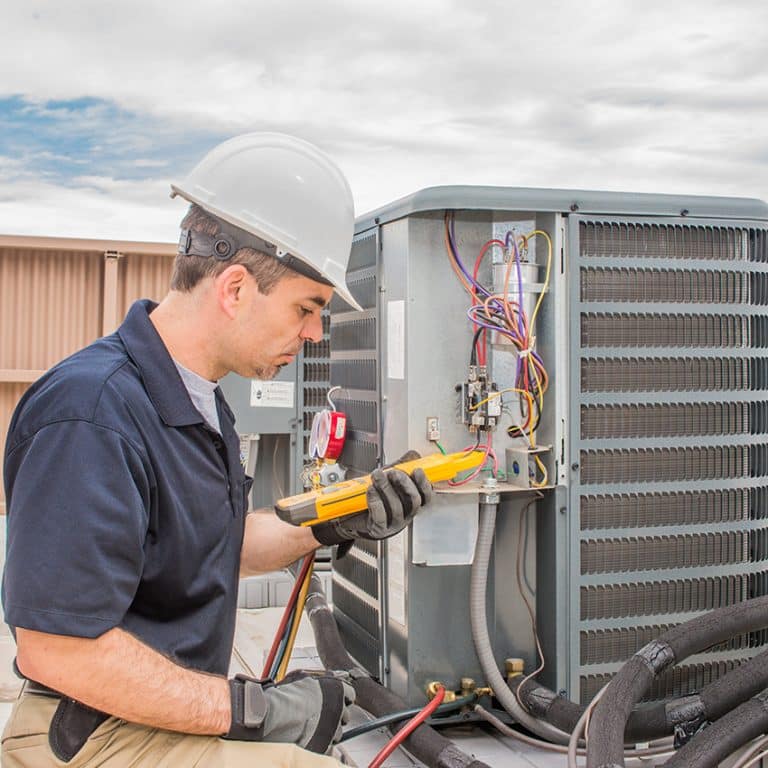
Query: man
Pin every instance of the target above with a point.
(127, 503)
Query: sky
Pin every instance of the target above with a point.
(103, 104)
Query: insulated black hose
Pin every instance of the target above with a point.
(714, 744)
(656, 719)
(425, 743)
(606, 731)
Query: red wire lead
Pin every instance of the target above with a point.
(408, 729)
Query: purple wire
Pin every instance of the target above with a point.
(495, 303)
(455, 254)
(471, 314)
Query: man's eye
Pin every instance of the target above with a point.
(305, 312)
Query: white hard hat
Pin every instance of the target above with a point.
(284, 191)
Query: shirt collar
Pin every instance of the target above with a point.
(158, 373)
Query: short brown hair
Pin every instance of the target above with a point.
(188, 271)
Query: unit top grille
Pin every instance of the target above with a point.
(663, 241)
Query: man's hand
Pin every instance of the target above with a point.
(304, 708)
(393, 499)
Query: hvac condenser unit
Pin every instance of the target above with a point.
(647, 504)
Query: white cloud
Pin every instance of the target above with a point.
(610, 94)
(94, 208)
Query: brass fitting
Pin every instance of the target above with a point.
(467, 686)
(514, 667)
(432, 691)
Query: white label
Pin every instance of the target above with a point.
(396, 576)
(272, 394)
(396, 339)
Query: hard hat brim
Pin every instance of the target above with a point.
(339, 287)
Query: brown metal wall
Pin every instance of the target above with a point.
(50, 305)
(142, 276)
(58, 295)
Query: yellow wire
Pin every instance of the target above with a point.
(543, 470)
(543, 234)
(528, 397)
(300, 601)
(538, 388)
(531, 433)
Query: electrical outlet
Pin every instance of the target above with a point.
(433, 428)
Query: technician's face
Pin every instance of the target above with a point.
(275, 326)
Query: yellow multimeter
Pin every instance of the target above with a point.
(348, 497)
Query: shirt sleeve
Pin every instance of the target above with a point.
(78, 512)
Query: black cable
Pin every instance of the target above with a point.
(425, 743)
(406, 714)
(473, 353)
(515, 431)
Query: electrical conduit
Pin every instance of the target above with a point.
(479, 623)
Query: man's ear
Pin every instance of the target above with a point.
(229, 286)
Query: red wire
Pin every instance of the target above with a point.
(302, 574)
(479, 469)
(408, 729)
(482, 350)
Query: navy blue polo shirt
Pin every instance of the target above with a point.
(123, 508)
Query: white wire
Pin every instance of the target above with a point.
(629, 755)
(328, 396)
(756, 759)
(752, 754)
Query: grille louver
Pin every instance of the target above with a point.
(712, 356)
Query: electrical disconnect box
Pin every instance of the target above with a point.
(609, 353)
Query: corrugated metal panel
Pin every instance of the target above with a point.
(50, 305)
(142, 276)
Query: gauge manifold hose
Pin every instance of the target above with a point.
(425, 743)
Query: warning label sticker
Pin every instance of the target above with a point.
(272, 394)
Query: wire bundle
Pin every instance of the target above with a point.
(489, 454)
(282, 646)
(497, 313)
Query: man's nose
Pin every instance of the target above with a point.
(313, 328)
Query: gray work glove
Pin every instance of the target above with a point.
(393, 499)
(304, 708)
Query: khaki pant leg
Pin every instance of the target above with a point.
(117, 744)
